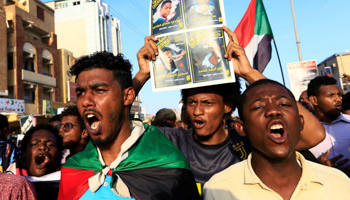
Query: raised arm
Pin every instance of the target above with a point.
(147, 53)
(236, 54)
(313, 132)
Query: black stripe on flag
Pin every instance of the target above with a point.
(263, 55)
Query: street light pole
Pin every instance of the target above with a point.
(296, 31)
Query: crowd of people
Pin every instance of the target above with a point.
(278, 148)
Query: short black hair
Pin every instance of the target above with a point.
(313, 89)
(164, 2)
(230, 93)
(27, 137)
(55, 118)
(119, 65)
(3, 122)
(243, 97)
(72, 110)
(346, 102)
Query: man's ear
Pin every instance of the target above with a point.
(227, 108)
(129, 96)
(84, 134)
(301, 118)
(240, 127)
(313, 100)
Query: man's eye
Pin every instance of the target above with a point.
(191, 103)
(100, 90)
(258, 107)
(209, 103)
(51, 144)
(80, 93)
(34, 144)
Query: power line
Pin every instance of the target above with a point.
(139, 7)
(127, 22)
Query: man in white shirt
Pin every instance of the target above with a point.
(325, 96)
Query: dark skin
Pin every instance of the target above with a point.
(75, 139)
(313, 132)
(273, 157)
(327, 104)
(97, 91)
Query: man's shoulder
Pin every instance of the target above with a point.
(175, 134)
(230, 176)
(327, 173)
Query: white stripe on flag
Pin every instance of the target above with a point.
(252, 47)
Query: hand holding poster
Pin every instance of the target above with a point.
(191, 44)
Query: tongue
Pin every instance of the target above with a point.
(95, 124)
(276, 135)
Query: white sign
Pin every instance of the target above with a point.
(12, 105)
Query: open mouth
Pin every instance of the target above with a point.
(338, 107)
(277, 133)
(41, 160)
(94, 123)
(198, 123)
(277, 130)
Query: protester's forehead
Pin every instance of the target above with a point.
(43, 135)
(267, 90)
(95, 76)
(202, 91)
(329, 89)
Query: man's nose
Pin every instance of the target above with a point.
(273, 111)
(88, 100)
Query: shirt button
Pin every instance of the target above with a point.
(105, 184)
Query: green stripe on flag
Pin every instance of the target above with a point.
(262, 25)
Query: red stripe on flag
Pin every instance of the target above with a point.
(74, 183)
(245, 28)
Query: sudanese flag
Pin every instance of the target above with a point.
(154, 169)
(254, 34)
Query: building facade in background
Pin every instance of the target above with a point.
(337, 65)
(32, 67)
(86, 26)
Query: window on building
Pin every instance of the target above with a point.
(68, 60)
(75, 3)
(40, 13)
(47, 94)
(9, 61)
(11, 92)
(29, 93)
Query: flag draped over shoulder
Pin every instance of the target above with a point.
(254, 34)
(154, 169)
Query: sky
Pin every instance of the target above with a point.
(323, 29)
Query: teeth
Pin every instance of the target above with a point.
(276, 126)
(90, 115)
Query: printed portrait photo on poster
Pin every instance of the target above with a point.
(207, 50)
(166, 16)
(171, 66)
(199, 13)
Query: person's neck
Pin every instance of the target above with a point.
(110, 153)
(217, 138)
(282, 176)
(77, 148)
(328, 119)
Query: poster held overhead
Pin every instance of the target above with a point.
(190, 55)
